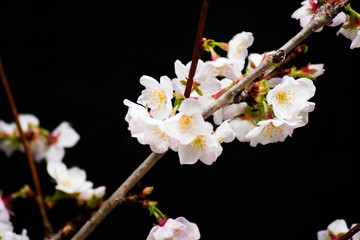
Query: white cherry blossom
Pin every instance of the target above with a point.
(71, 180)
(290, 97)
(147, 129)
(206, 148)
(204, 86)
(157, 96)
(270, 131)
(178, 229)
(186, 125)
(222, 67)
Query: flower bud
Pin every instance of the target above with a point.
(147, 191)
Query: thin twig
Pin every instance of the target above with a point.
(38, 194)
(322, 18)
(197, 51)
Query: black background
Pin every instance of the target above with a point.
(78, 60)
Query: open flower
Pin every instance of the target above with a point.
(270, 131)
(290, 97)
(187, 124)
(206, 148)
(147, 129)
(178, 229)
(71, 180)
(157, 96)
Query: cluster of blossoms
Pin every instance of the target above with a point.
(350, 20)
(6, 227)
(335, 230)
(271, 109)
(51, 147)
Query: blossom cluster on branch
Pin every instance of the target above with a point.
(349, 20)
(269, 111)
(51, 147)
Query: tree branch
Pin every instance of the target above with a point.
(323, 17)
(118, 196)
(38, 194)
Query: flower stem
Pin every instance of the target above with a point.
(39, 197)
(197, 51)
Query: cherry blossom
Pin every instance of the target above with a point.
(206, 148)
(222, 67)
(202, 86)
(270, 131)
(178, 229)
(188, 124)
(147, 129)
(157, 96)
(71, 180)
(290, 97)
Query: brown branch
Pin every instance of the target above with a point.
(197, 51)
(39, 197)
(118, 196)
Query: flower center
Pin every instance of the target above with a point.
(176, 232)
(239, 49)
(272, 131)
(186, 124)
(199, 144)
(157, 98)
(161, 135)
(66, 183)
(285, 99)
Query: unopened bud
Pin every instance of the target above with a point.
(147, 191)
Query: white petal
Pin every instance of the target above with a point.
(68, 137)
(190, 106)
(187, 155)
(323, 235)
(180, 70)
(55, 154)
(356, 42)
(338, 226)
